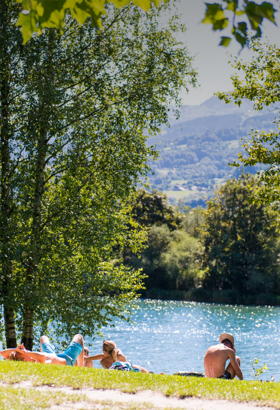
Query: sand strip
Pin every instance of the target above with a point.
(158, 400)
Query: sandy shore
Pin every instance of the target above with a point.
(155, 400)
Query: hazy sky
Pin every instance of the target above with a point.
(212, 60)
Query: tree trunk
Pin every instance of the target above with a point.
(27, 332)
(35, 241)
(6, 206)
(10, 331)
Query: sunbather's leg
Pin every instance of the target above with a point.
(74, 352)
(43, 339)
(231, 370)
(45, 345)
(80, 359)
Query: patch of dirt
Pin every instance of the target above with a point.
(120, 400)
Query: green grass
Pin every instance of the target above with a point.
(30, 399)
(40, 374)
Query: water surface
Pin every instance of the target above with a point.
(168, 336)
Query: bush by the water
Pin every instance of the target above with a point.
(240, 241)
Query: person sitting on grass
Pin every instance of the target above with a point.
(88, 363)
(112, 356)
(74, 354)
(216, 357)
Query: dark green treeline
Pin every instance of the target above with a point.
(227, 253)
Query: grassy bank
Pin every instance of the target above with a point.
(56, 376)
(218, 296)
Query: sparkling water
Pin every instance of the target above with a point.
(168, 336)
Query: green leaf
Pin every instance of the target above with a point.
(28, 23)
(144, 4)
(232, 5)
(258, 33)
(240, 33)
(51, 13)
(225, 41)
(256, 13)
(215, 15)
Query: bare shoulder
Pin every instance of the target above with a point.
(213, 349)
(231, 352)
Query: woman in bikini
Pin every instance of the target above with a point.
(111, 355)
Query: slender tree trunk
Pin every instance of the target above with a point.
(32, 271)
(10, 331)
(6, 207)
(35, 242)
(27, 332)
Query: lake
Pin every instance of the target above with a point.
(168, 336)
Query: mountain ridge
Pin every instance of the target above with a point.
(196, 149)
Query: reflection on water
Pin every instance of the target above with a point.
(169, 336)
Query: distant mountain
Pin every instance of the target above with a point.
(212, 106)
(196, 149)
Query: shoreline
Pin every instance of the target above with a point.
(200, 295)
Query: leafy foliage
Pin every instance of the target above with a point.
(152, 208)
(79, 111)
(240, 240)
(39, 14)
(169, 260)
(255, 14)
(260, 85)
(256, 372)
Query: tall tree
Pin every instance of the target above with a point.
(90, 98)
(152, 208)
(10, 81)
(240, 240)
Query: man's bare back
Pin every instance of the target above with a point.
(215, 362)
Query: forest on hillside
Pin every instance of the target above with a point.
(200, 161)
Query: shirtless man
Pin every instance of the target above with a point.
(74, 353)
(216, 357)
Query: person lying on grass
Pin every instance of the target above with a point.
(216, 357)
(111, 355)
(74, 354)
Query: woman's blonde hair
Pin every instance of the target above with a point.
(109, 346)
